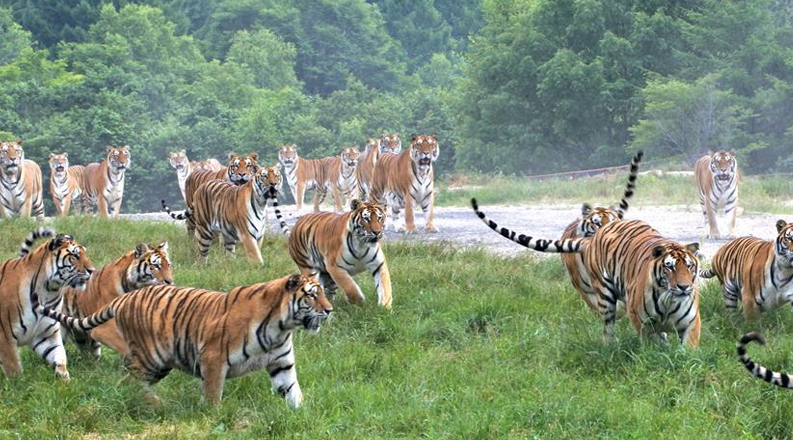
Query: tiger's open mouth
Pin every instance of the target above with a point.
(59, 168)
(426, 161)
(723, 177)
(287, 161)
(312, 323)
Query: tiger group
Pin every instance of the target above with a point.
(615, 262)
(53, 293)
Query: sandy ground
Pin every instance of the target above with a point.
(460, 227)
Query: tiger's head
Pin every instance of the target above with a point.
(118, 158)
(722, 165)
(390, 143)
(69, 264)
(152, 265)
(242, 168)
(372, 144)
(287, 155)
(784, 242)
(308, 304)
(349, 157)
(424, 150)
(11, 156)
(367, 221)
(179, 160)
(59, 163)
(676, 268)
(269, 179)
(594, 218)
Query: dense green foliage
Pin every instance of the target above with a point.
(513, 86)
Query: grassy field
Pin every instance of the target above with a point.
(476, 347)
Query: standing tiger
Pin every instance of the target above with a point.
(21, 187)
(390, 143)
(235, 212)
(407, 178)
(717, 180)
(33, 278)
(144, 266)
(184, 167)
(629, 261)
(65, 183)
(103, 182)
(335, 247)
(759, 371)
(338, 174)
(592, 219)
(365, 169)
(301, 174)
(757, 272)
(214, 335)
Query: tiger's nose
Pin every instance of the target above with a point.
(684, 287)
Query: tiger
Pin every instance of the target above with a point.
(757, 272)
(717, 180)
(364, 172)
(236, 212)
(779, 379)
(592, 219)
(400, 180)
(214, 335)
(335, 247)
(34, 278)
(64, 183)
(184, 167)
(302, 174)
(144, 266)
(21, 188)
(103, 182)
(390, 143)
(338, 174)
(629, 261)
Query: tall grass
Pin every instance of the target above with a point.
(476, 347)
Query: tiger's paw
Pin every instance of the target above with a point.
(295, 397)
(411, 230)
(399, 228)
(62, 373)
(430, 227)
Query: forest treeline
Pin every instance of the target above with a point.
(512, 86)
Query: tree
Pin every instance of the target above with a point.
(269, 58)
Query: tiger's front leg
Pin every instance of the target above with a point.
(410, 221)
(343, 279)
(9, 355)
(428, 203)
(102, 207)
(710, 209)
(690, 335)
(213, 376)
(250, 244)
(48, 344)
(382, 284)
(284, 379)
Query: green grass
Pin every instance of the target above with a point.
(476, 347)
(772, 194)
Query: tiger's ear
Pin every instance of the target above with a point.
(732, 152)
(59, 241)
(586, 209)
(434, 136)
(109, 149)
(52, 155)
(65, 154)
(693, 248)
(293, 282)
(413, 137)
(397, 134)
(294, 146)
(163, 246)
(658, 251)
(19, 142)
(232, 155)
(254, 155)
(780, 225)
(710, 152)
(278, 166)
(355, 204)
(183, 152)
(141, 249)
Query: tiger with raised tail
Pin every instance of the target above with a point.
(36, 277)
(759, 371)
(145, 266)
(214, 335)
(334, 247)
(717, 180)
(365, 169)
(21, 187)
(629, 261)
(184, 167)
(103, 182)
(65, 183)
(755, 272)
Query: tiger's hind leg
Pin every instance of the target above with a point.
(732, 293)
(9, 357)
(251, 246)
(205, 238)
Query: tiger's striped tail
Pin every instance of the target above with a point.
(278, 216)
(88, 323)
(779, 379)
(34, 235)
(623, 206)
(566, 246)
(707, 273)
(188, 212)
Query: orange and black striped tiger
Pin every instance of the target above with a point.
(365, 169)
(184, 167)
(21, 187)
(33, 278)
(338, 174)
(717, 179)
(756, 272)
(335, 247)
(759, 371)
(390, 143)
(144, 266)
(65, 182)
(307, 174)
(214, 335)
(103, 182)
(629, 261)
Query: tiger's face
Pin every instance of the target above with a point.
(242, 168)
(722, 165)
(59, 163)
(118, 158)
(424, 150)
(152, 266)
(309, 305)
(784, 242)
(179, 160)
(594, 218)
(11, 156)
(70, 264)
(349, 157)
(287, 155)
(676, 268)
(269, 179)
(367, 221)
(390, 143)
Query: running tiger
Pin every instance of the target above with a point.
(214, 335)
(103, 184)
(65, 182)
(21, 187)
(35, 278)
(408, 178)
(629, 261)
(338, 174)
(144, 266)
(335, 247)
(779, 379)
(184, 167)
(717, 180)
(365, 169)
(303, 174)
(757, 272)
